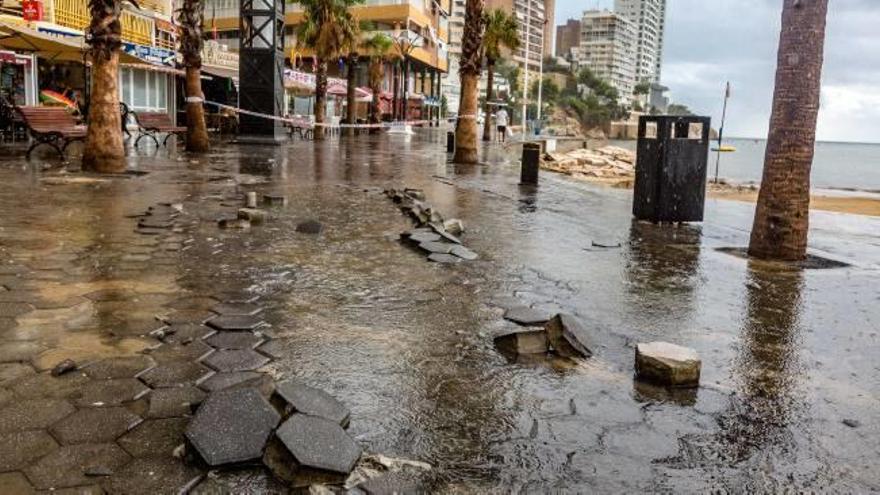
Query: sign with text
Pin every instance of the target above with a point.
(32, 10)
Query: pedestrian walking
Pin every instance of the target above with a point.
(501, 121)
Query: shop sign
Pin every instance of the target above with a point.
(150, 54)
(32, 10)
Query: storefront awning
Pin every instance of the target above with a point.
(155, 68)
(224, 72)
(54, 48)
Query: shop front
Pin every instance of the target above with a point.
(18, 78)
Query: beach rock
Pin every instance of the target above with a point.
(421, 237)
(526, 316)
(312, 227)
(63, 367)
(301, 398)
(523, 342)
(668, 364)
(253, 215)
(568, 337)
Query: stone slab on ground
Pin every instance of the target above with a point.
(67, 466)
(232, 426)
(153, 475)
(444, 258)
(174, 402)
(228, 360)
(568, 336)
(186, 332)
(237, 379)
(312, 401)
(11, 352)
(318, 443)
(234, 340)
(523, 342)
(464, 253)
(312, 227)
(391, 484)
(19, 449)
(94, 425)
(236, 309)
(176, 374)
(235, 322)
(33, 414)
(119, 367)
(526, 316)
(154, 437)
(668, 364)
(437, 247)
(114, 392)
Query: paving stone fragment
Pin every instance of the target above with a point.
(154, 437)
(464, 253)
(10, 373)
(19, 449)
(153, 475)
(119, 367)
(523, 342)
(526, 316)
(175, 374)
(391, 484)
(273, 348)
(16, 484)
(226, 360)
(14, 309)
(65, 366)
(420, 237)
(174, 402)
(234, 340)
(312, 227)
(19, 351)
(236, 309)
(115, 392)
(183, 316)
(232, 426)
(94, 425)
(317, 443)
(668, 364)
(237, 379)
(67, 466)
(444, 258)
(436, 247)
(191, 351)
(235, 323)
(312, 401)
(568, 336)
(33, 414)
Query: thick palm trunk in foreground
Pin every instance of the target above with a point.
(191, 17)
(782, 215)
(469, 72)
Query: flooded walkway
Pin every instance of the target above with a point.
(790, 391)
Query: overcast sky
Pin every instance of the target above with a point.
(711, 41)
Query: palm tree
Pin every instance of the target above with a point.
(191, 17)
(104, 151)
(501, 32)
(378, 47)
(782, 215)
(469, 72)
(328, 28)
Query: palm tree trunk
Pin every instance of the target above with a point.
(490, 90)
(469, 72)
(395, 88)
(196, 128)
(320, 97)
(351, 110)
(782, 214)
(104, 151)
(375, 88)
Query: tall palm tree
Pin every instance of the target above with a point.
(378, 47)
(191, 17)
(328, 28)
(782, 215)
(501, 32)
(469, 72)
(104, 151)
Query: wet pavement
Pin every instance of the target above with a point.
(789, 394)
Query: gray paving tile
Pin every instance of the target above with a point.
(234, 340)
(94, 425)
(115, 392)
(154, 437)
(174, 402)
(118, 367)
(233, 323)
(175, 374)
(19, 449)
(226, 360)
(33, 414)
(312, 401)
(67, 466)
(317, 443)
(156, 475)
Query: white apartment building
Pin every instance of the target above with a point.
(649, 19)
(607, 47)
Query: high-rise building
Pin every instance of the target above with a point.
(649, 19)
(607, 48)
(568, 35)
(535, 13)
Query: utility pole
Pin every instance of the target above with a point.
(541, 75)
(526, 76)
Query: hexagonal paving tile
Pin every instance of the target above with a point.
(12, 372)
(187, 316)
(236, 360)
(312, 401)
(94, 425)
(11, 352)
(16, 483)
(48, 386)
(186, 332)
(153, 475)
(237, 309)
(110, 295)
(192, 351)
(526, 316)
(192, 302)
(154, 437)
(119, 367)
(175, 374)
(232, 426)
(174, 402)
(115, 392)
(317, 443)
(33, 414)
(19, 449)
(66, 467)
(233, 323)
(14, 309)
(222, 381)
(234, 340)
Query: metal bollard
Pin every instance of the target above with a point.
(531, 161)
(450, 141)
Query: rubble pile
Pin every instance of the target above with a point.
(610, 164)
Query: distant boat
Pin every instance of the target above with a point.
(724, 148)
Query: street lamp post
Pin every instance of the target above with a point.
(525, 105)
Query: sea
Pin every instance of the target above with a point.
(844, 167)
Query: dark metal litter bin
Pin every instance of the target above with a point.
(671, 168)
(450, 141)
(531, 161)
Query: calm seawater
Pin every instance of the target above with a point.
(835, 165)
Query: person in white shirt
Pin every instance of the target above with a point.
(501, 123)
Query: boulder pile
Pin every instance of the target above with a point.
(609, 164)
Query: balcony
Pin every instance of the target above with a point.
(74, 14)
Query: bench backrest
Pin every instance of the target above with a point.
(48, 119)
(157, 120)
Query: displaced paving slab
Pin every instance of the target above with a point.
(668, 364)
(523, 342)
(318, 443)
(236, 323)
(222, 381)
(232, 426)
(526, 316)
(569, 337)
(228, 360)
(312, 401)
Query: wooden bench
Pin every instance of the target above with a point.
(151, 124)
(53, 126)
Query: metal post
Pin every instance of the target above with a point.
(531, 159)
(721, 130)
(450, 141)
(526, 76)
(541, 76)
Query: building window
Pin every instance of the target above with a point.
(144, 90)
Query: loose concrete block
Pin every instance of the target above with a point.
(523, 342)
(568, 336)
(668, 364)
